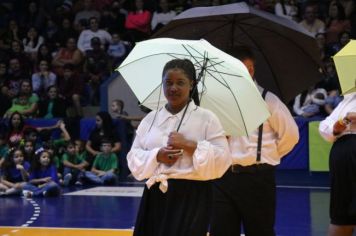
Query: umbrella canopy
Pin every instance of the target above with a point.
(225, 86)
(345, 63)
(288, 60)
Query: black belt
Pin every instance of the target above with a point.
(251, 169)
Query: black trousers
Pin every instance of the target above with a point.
(244, 198)
(342, 164)
(184, 210)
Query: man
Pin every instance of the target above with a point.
(310, 21)
(246, 194)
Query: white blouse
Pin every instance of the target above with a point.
(326, 127)
(210, 160)
(280, 135)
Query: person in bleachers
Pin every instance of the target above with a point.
(65, 32)
(32, 42)
(310, 103)
(52, 106)
(17, 51)
(26, 90)
(20, 103)
(287, 9)
(336, 23)
(13, 32)
(105, 166)
(310, 20)
(162, 16)
(69, 54)
(113, 17)
(86, 13)
(44, 53)
(343, 39)
(320, 39)
(103, 129)
(14, 173)
(117, 50)
(96, 69)
(34, 16)
(71, 88)
(84, 42)
(43, 79)
(5, 101)
(138, 22)
(43, 179)
(16, 75)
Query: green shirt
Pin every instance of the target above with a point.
(74, 159)
(3, 151)
(105, 163)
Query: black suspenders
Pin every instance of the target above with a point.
(260, 132)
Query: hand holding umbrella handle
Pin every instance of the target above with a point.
(169, 156)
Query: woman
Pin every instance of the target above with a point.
(52, 106)
(67, 55)
(103, 129)
(178, 164)
(340, 128)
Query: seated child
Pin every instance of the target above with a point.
(43, 180)
(14, 173)
(105, 165)
(73, 163)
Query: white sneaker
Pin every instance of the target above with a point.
(27, 193)
(67, 178)
(78, 183)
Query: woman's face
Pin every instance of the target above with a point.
(16, 120)
(32, 33)
(333, 11)
(18, 157)
(52, 93)
(344, 39)
(176, 86)
(98, 121)
(71, 44)
(44, 50)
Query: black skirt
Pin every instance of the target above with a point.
(184, 210)
(343, 181)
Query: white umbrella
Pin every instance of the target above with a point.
(225, 87)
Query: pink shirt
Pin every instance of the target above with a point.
(140, 21)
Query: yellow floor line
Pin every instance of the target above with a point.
(29, 231)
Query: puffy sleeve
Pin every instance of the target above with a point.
(283, 124)
(212, 158)
(142, 163)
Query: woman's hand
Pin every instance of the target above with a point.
(168, 155)
(178, 141)
(351, 117)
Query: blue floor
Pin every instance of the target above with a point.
(302, 208)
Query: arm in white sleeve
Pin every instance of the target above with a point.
(212, 158)
(284, 125)
(142, 163)
(326, 127)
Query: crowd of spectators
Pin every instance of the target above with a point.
(54, 55)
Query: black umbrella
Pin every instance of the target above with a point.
(288, 60)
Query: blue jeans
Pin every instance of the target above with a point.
(108, 178)
(49, 189)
